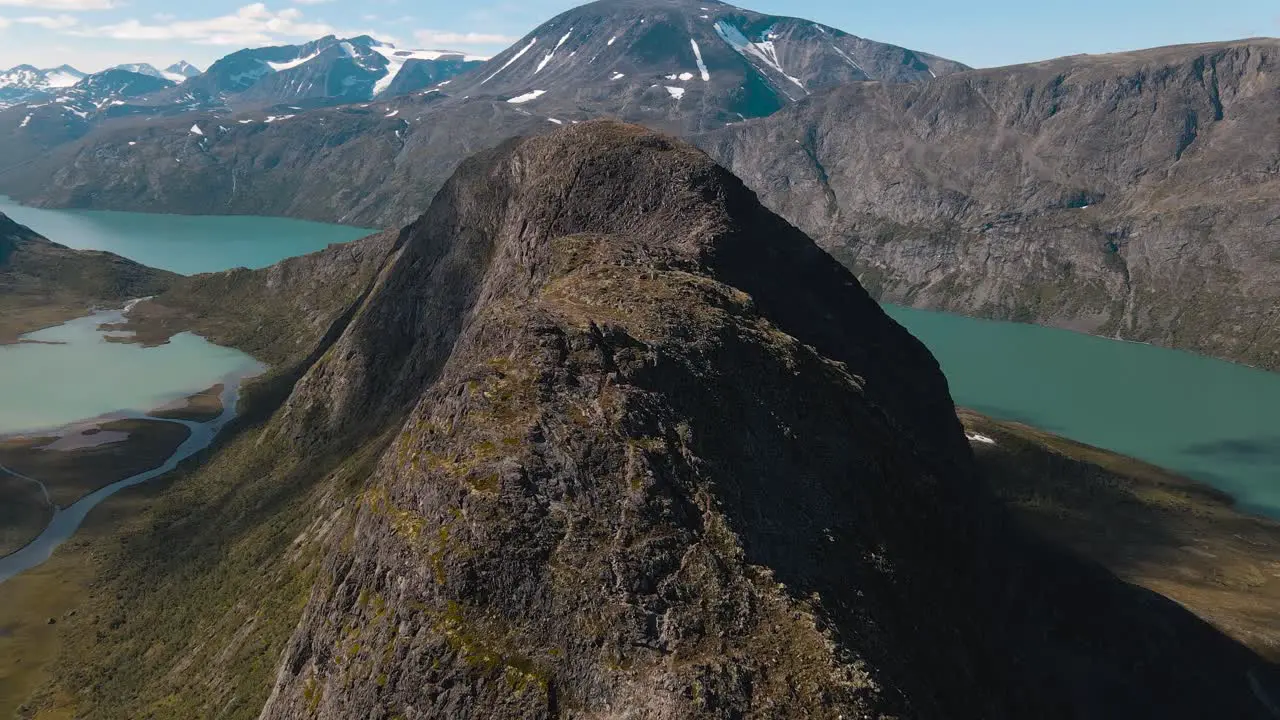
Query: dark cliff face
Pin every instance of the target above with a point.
(1130, 195)
(650, 448)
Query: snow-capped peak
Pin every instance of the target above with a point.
(396, 59)
(32, 78)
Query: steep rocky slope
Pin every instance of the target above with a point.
(604, 436)
(1130, 195)
(680, 65)
(43, 283)
(1150, 526)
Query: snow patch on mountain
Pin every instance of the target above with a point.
(280, 67)
(532, 95)
(850, 60)
(552, 54)
(514, 58)
(251, 76)
(702, 67)
(195, 130)
(61, 78)
(675, 92)
(763, 50)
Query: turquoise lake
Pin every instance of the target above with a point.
(83, 376)
(185, 244)
(1210, 420)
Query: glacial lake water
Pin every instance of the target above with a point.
(1210, 420)
(185, 244)
(71, 373)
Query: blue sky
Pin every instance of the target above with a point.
(93, 34)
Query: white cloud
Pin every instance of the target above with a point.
(61, 22)
(4, 23)
(250, 25)
(434, 38)
(60, 4)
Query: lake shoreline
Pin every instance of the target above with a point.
(67, 519)
(134, 445)
(1149, 526)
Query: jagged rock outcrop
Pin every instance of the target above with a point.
(1128, 195)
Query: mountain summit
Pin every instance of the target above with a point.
(26, 83)
(606, 435)
(691, 63)
(327, 70)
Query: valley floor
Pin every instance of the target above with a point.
(83, 458)
(1150, 527)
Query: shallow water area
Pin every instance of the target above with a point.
(1211, 420)
(72, 372)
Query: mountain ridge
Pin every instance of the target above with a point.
(1124, 195)
(511, 481)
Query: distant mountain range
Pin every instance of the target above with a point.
(326, 71)
(178, 72)
(680, 65)
(1126, 195)
(684, 65)
(26, 83)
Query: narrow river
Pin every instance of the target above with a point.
(67, 520)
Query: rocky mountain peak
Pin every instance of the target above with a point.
(691, 63)
(183, 68)
(646, 446)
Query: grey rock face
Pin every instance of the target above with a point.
(1127, 195)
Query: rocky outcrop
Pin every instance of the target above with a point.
(1126, 195)
(602, 435)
